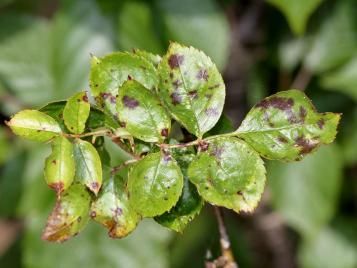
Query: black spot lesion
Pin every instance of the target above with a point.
(321, 123)
(193, 94)
(165, 132)
(175, 60)
(130, 102)
(282, 139)
(302, 113)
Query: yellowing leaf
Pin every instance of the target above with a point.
(69, 216)
(34, 125)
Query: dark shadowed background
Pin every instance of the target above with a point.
(308, 215)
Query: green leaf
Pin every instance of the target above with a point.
(136, 28)
(76, 112)
(329, 250)
(153, 58)
(190, 203)
(55, 110)
(188, 206)
(192, 22)
(192, 88)
(229, 174)
(110, 72)
(343, 80)
(4, 145)
(336, 41)
(142, 114)
(88, 165)
(34, 125)
(69, 216)
(306, 192)
(155, 184)
(113, 210)
(60, 165)
(286, 126)
(296, 12)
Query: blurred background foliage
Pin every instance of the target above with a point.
(308, 215)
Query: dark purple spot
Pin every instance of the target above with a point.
(177, 83)
(167, 157)
(118, 211)
(306, 146)
(175, 60)
(282, 139)
(105, 95)
(164, 132)
(129, 102)
(93, 214)
(239, 193)
(129, 77)
(176, 98)
(193, 94)
(212, 112)
(94, 186)
(113, 99)
(217, 151)
(302, 113)
(283, 104)
(202, 75)
(321, 123)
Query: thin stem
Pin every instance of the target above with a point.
(227, 254)
(302, 79)
(180, 145)
(123, 165)
(101, 132)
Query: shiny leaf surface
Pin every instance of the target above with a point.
(76, 112)
(155, 184)
(88, 165)
(142, 114)
(229, 174)
(191, 88)
(60, 165)
(113, 210)
(34, 125)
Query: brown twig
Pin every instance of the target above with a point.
(122, 165)
(302, 79)
(226, 260)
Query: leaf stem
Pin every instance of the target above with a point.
(101, 132)
(227, 255)
(123, 165)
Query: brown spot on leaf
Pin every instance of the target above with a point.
(214, 86)
(94, 186)
(113, 99)
(175, 60)
(164, 132)
(122, 124)
(171, 75)
(193, 94)
(302, 113)
(321, 123)
(93, 214)
(282, 139)
(129, 77)
(130, 103)
(105, 95)
(118, 211)
(217, 151)
(167, 156)
(176, 98)
(54, 162)
(85, 98)
(306, 146)
(202, 75)
(177, 84)
(203, 146)
(57, 186)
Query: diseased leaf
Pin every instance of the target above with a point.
(191, 88)
(60, 165)
(155, 184)
(113, 210)
(110, 72)
(141, 113)
(88, 165)
(286, 126)
(55, 110)
(69, 216)
(190, 202)
(34, 125)
(297, 12)
(229, 174)
(76, 112)
(153, 58)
